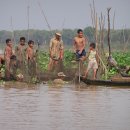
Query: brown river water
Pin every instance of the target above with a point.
(68, 107)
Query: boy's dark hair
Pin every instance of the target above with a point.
(93, 45)
(79, 30)
(2, 62)
(30, 42)
(8, 40)
(22, 38)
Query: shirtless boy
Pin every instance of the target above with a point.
(20, 53)
(7, 55)
(55, 50)
(79, 45)
(30, 57)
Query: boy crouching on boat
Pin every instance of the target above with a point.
(93, 61)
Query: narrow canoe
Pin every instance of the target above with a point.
(106, 82)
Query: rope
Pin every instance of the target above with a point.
(43, 13)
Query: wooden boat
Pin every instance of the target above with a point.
(105, 82)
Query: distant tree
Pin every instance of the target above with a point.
(89, 32)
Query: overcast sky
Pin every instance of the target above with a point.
(73, 13)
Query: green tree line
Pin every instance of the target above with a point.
(118, 37)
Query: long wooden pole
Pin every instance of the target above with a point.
(13, 35)
(126, 44)
(79, 70)
(44, 15)
(96, 32)
(28, 15)
(123, 31)
(92, 16)
(108, 13)
(101, 25)
(114, 21)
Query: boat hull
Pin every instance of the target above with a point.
(105, 82)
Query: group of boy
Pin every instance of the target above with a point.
(22, 52)
(79, 45)
(56, 51)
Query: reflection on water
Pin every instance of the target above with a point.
(66, 108)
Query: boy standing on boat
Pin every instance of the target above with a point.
(93, 61)
(7, 55)
(56, 51)
(79, 45)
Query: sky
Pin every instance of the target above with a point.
(60, 13)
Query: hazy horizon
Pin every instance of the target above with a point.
(73, 14)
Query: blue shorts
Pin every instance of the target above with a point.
(78, 56)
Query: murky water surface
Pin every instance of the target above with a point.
(64, 108)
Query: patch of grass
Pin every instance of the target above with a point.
(122, 58)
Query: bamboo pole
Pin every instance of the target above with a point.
(28, 16)
(13, 35)
(44, 16)
(62, 27)
(94, 12)
(102, 25)
(96, 32)
(114, 21)
(126, 44)
(108, 13)
(124, 37)
(104, 67)
(92, 19)
(79, 70)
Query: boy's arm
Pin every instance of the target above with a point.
(6, 53)
(87, 55)
(74, 45)
(84, 42)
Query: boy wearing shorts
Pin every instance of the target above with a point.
(93, 61)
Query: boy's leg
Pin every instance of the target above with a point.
(55, 66)
(86, 73)
(94, 73)
(88, 68)
(34, 74)
(78, 56)
(95, 67)
(50, 66)
(83, 55)
(82, 59)
(7, 68)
